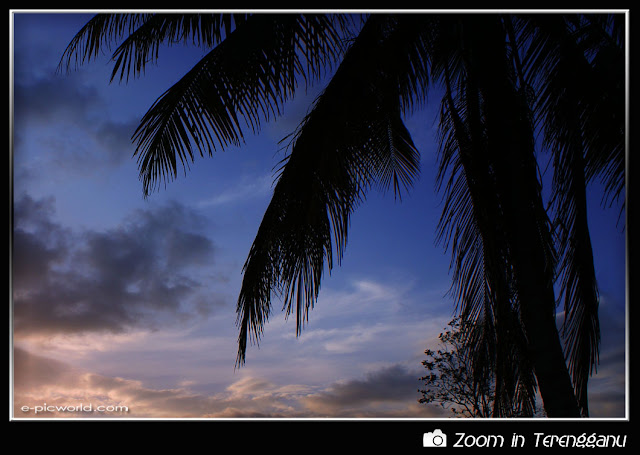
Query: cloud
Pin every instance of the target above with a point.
(388, 316)
(386, 391)
(242, 191)
(607, 389)
(390, 392)
(54, 98)
(349, 339)
(66, 123)
(39, 381)
(149, 271)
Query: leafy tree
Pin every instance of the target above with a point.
(453, 382)
(450, 379)
(506, 79)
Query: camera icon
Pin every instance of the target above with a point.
(436, 438)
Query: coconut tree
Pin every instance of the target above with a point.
(504, 78)
(502, 243)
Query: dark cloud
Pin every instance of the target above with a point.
(149, 269)
(115, 137)
(55, 98)
(67, 122)
(389, 385)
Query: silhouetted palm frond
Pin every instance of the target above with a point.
(254, 68)
(565, 61)
(353, 139)
(97, 36)
(143, 45)
(584, 55)
(243, 81)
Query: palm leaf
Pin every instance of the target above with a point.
(588, 52)
(244, 80)
(145, 34)
(563, 94)
(97, 35)
(142, 46)
(352, 140)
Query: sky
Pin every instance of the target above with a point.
(126, 306)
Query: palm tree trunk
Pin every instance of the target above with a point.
(547, 354)
(537, 310)
(537, 303)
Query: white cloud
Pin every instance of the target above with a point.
(248, 188)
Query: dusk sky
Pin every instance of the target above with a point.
(120, 300)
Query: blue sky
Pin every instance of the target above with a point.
(131, 301)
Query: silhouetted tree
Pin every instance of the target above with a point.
(450, 380)
(453, 382)
(505, 78)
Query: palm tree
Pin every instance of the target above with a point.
(503, 252)
(505, 78)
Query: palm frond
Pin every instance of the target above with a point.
(243, 81)
(144, 33)
(584, 55)
(605, 118)
(97, 35)
(352, 140)
(578, 281)
(581, 146)
(142, 46)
